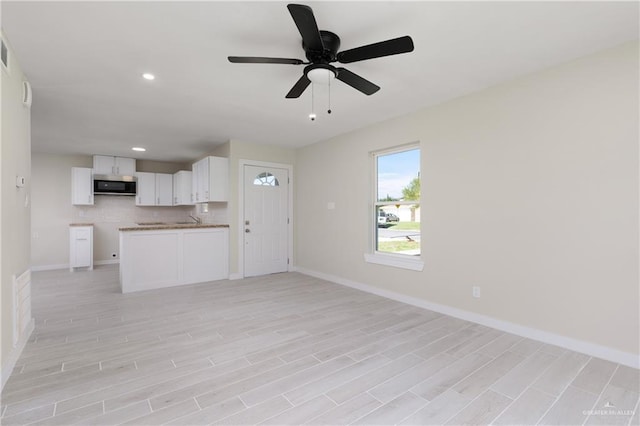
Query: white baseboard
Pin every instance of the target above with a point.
(593, 349)
(49, 267)
(106, 262)
(66, 265)
(12, 359)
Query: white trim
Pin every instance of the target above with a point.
(66, 265)
(241, 163)
(107, 262)
(373, 256)
(15, 353)
(235, 276)
(401, 261)
(589, 348)
(49, 267)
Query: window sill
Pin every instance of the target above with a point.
(397, 261)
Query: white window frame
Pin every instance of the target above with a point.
(414, 263)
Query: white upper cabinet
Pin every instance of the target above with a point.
(182, 194)
(154, 189)
(108, 165)
(164, 189)
(146, 189)
(211, 180)
(81, 186)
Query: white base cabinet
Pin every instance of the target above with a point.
(80, 247)
(151, 259)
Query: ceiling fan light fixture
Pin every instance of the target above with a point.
(321, 75)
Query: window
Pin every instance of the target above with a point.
(4, 54)
(396, 208)
(266, 179)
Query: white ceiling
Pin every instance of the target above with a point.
(84, 61)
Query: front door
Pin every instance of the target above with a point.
(265, 223)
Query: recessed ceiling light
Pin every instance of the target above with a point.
(137, 148)
(148, 76)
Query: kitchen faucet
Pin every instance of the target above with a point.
(196, 219)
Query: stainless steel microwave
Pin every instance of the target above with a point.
(114, 185)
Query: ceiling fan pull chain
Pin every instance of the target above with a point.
(329, 84)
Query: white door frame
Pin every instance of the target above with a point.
(289, 168)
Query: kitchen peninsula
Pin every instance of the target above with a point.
(165, 255)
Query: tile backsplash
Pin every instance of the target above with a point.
(122, 209)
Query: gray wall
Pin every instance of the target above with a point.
(529, 190)
(15, 204)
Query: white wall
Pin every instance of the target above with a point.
(529, 190)
(15, 202)
(52, 211)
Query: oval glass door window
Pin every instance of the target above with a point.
(266, 179)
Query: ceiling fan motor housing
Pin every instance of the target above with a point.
(331, 44)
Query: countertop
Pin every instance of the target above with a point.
(162, 226)
(81, 224)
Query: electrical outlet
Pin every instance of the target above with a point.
(476, 292)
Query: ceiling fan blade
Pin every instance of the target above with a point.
(299, 87)
(260, 60)
(377, 50)
(305, 21)
(357, 82)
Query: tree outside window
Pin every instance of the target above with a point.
(397, 201)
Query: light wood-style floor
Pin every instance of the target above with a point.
(289, 349)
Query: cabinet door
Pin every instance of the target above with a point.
(104, 165)
(125, 166)
(195, 197)
(205, 255)
(164, 189)
(146, 189)
(203, 179)
(83, 250)
(81, 247)
(81, 186)
(218, 179)
(176, 190)
(182, 188)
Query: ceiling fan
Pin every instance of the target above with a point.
(321, 49)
